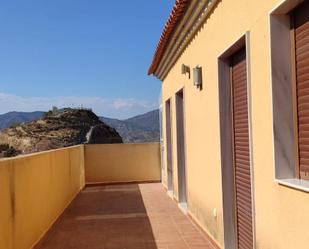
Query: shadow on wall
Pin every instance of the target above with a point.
(111, 216)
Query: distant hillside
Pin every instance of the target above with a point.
(148, 121)
(10, 118)
(57, 129)
(141, 128)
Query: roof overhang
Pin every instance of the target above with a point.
(185, 20)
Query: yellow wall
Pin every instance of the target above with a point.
(34, 191)
(122, 162)
(36, 188)
(282, 217)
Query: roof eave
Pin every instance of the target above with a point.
(196, 14)
(176, 14)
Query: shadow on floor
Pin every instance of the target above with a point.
(132, 216)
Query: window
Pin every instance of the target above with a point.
(289, 26)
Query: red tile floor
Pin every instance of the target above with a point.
(132, 216)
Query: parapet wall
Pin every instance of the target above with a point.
(116, 163)
(34, 191)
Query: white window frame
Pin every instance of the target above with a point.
(282, 96)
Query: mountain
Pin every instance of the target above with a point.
(11, 118)
(148, 121)
(58, 129)
(138, 129)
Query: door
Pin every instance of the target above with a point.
(161, 142)
(181, 164)
(241, 151)
(169, 145)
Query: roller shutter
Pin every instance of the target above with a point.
(301, 31)
(241, 151)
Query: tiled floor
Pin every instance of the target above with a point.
(135, 216)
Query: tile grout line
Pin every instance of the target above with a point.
(180, 233)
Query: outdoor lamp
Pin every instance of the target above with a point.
(197, 77)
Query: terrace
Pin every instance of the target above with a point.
(92, 196)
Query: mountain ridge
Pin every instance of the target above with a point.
(141, 128)
(11, 118)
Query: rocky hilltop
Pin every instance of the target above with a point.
(57, 129)
(139, 129)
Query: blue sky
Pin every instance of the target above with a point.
(79, 52)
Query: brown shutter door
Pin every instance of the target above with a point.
(301, 25)
(241, 151)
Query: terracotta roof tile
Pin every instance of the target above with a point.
(177, 13)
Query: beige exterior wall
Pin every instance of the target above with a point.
(282, 217)
(109, 163)
(34, 191)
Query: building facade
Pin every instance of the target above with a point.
(235, 98)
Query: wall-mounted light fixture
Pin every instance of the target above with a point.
(197, 77)
(185, 69)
